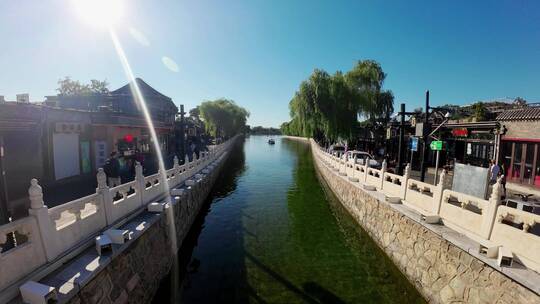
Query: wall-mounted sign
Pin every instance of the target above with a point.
(413, 121)
(68, 127)
(128, 138)
(419, 129)
(460, 132)
(414, 144)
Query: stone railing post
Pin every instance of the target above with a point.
(354, 167)
(175, 162)
(46, 227)
(366, 167)
(139, 181)
(489, 215)
(384, 167)
(438, 195)
(105, 195)
(186, 162)
(406, 176)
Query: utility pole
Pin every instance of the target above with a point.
(425, 136)
(401, 145)
(182, 135)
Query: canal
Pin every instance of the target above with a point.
(271, 233)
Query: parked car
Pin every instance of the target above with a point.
(339, 149)
(361, 158)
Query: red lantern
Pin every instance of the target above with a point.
(128, 138)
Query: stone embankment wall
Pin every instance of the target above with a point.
(440, 270)
(134, 271)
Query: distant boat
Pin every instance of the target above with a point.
(271, 141)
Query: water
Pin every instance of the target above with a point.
(272, 234)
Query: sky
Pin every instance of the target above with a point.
(257, 52)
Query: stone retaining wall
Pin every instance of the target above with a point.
(133, 276)
(440, 270)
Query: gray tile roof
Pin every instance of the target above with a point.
(521, 114)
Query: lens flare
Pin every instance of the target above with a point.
(170, 64)
(141, 102)
(101, 13)
(139, 37)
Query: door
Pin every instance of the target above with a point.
(3, 189)
(66, 155)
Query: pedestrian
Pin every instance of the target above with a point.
(494, 171)
(112, 169)
(502, 174)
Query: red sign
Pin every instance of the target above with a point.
(461, 132)
(128, 138)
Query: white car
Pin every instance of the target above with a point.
(361, 158)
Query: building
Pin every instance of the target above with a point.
(64, 140)
(520, 145)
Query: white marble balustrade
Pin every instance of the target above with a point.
(46, 234)
(484, 221)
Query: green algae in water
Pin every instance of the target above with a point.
(275, 235)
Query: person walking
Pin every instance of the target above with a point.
(494, 170)
(112, 169)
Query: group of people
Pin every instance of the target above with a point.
(115, 171)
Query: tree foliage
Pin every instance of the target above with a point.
(223, 117)
(327, 106)
(195, 112)
(69, 87)
(480, 112)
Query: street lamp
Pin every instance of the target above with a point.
(401, 144)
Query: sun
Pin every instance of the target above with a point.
(101, 13)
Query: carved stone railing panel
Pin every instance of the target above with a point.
(518, 231)
(463, 212)
(22, 250)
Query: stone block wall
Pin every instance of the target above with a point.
(522, 128)
(441, 271)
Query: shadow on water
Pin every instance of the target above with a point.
(225, 184)
(270, 233)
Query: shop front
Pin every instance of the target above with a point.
(472, 143)
(520, 146)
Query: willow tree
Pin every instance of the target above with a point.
(327, 106)
(223, 117)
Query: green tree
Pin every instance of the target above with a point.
(223, 117)
(327, 106)
(480, 112)
(69, 87)
(195, 112)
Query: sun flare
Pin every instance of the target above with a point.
(99, 12)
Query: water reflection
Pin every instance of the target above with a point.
(272, 234)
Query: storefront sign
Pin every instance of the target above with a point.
(461, 132)
(436, 145)
(414, 144)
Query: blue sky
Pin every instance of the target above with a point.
(257, 52)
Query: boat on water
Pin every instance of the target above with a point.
(271, 141)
